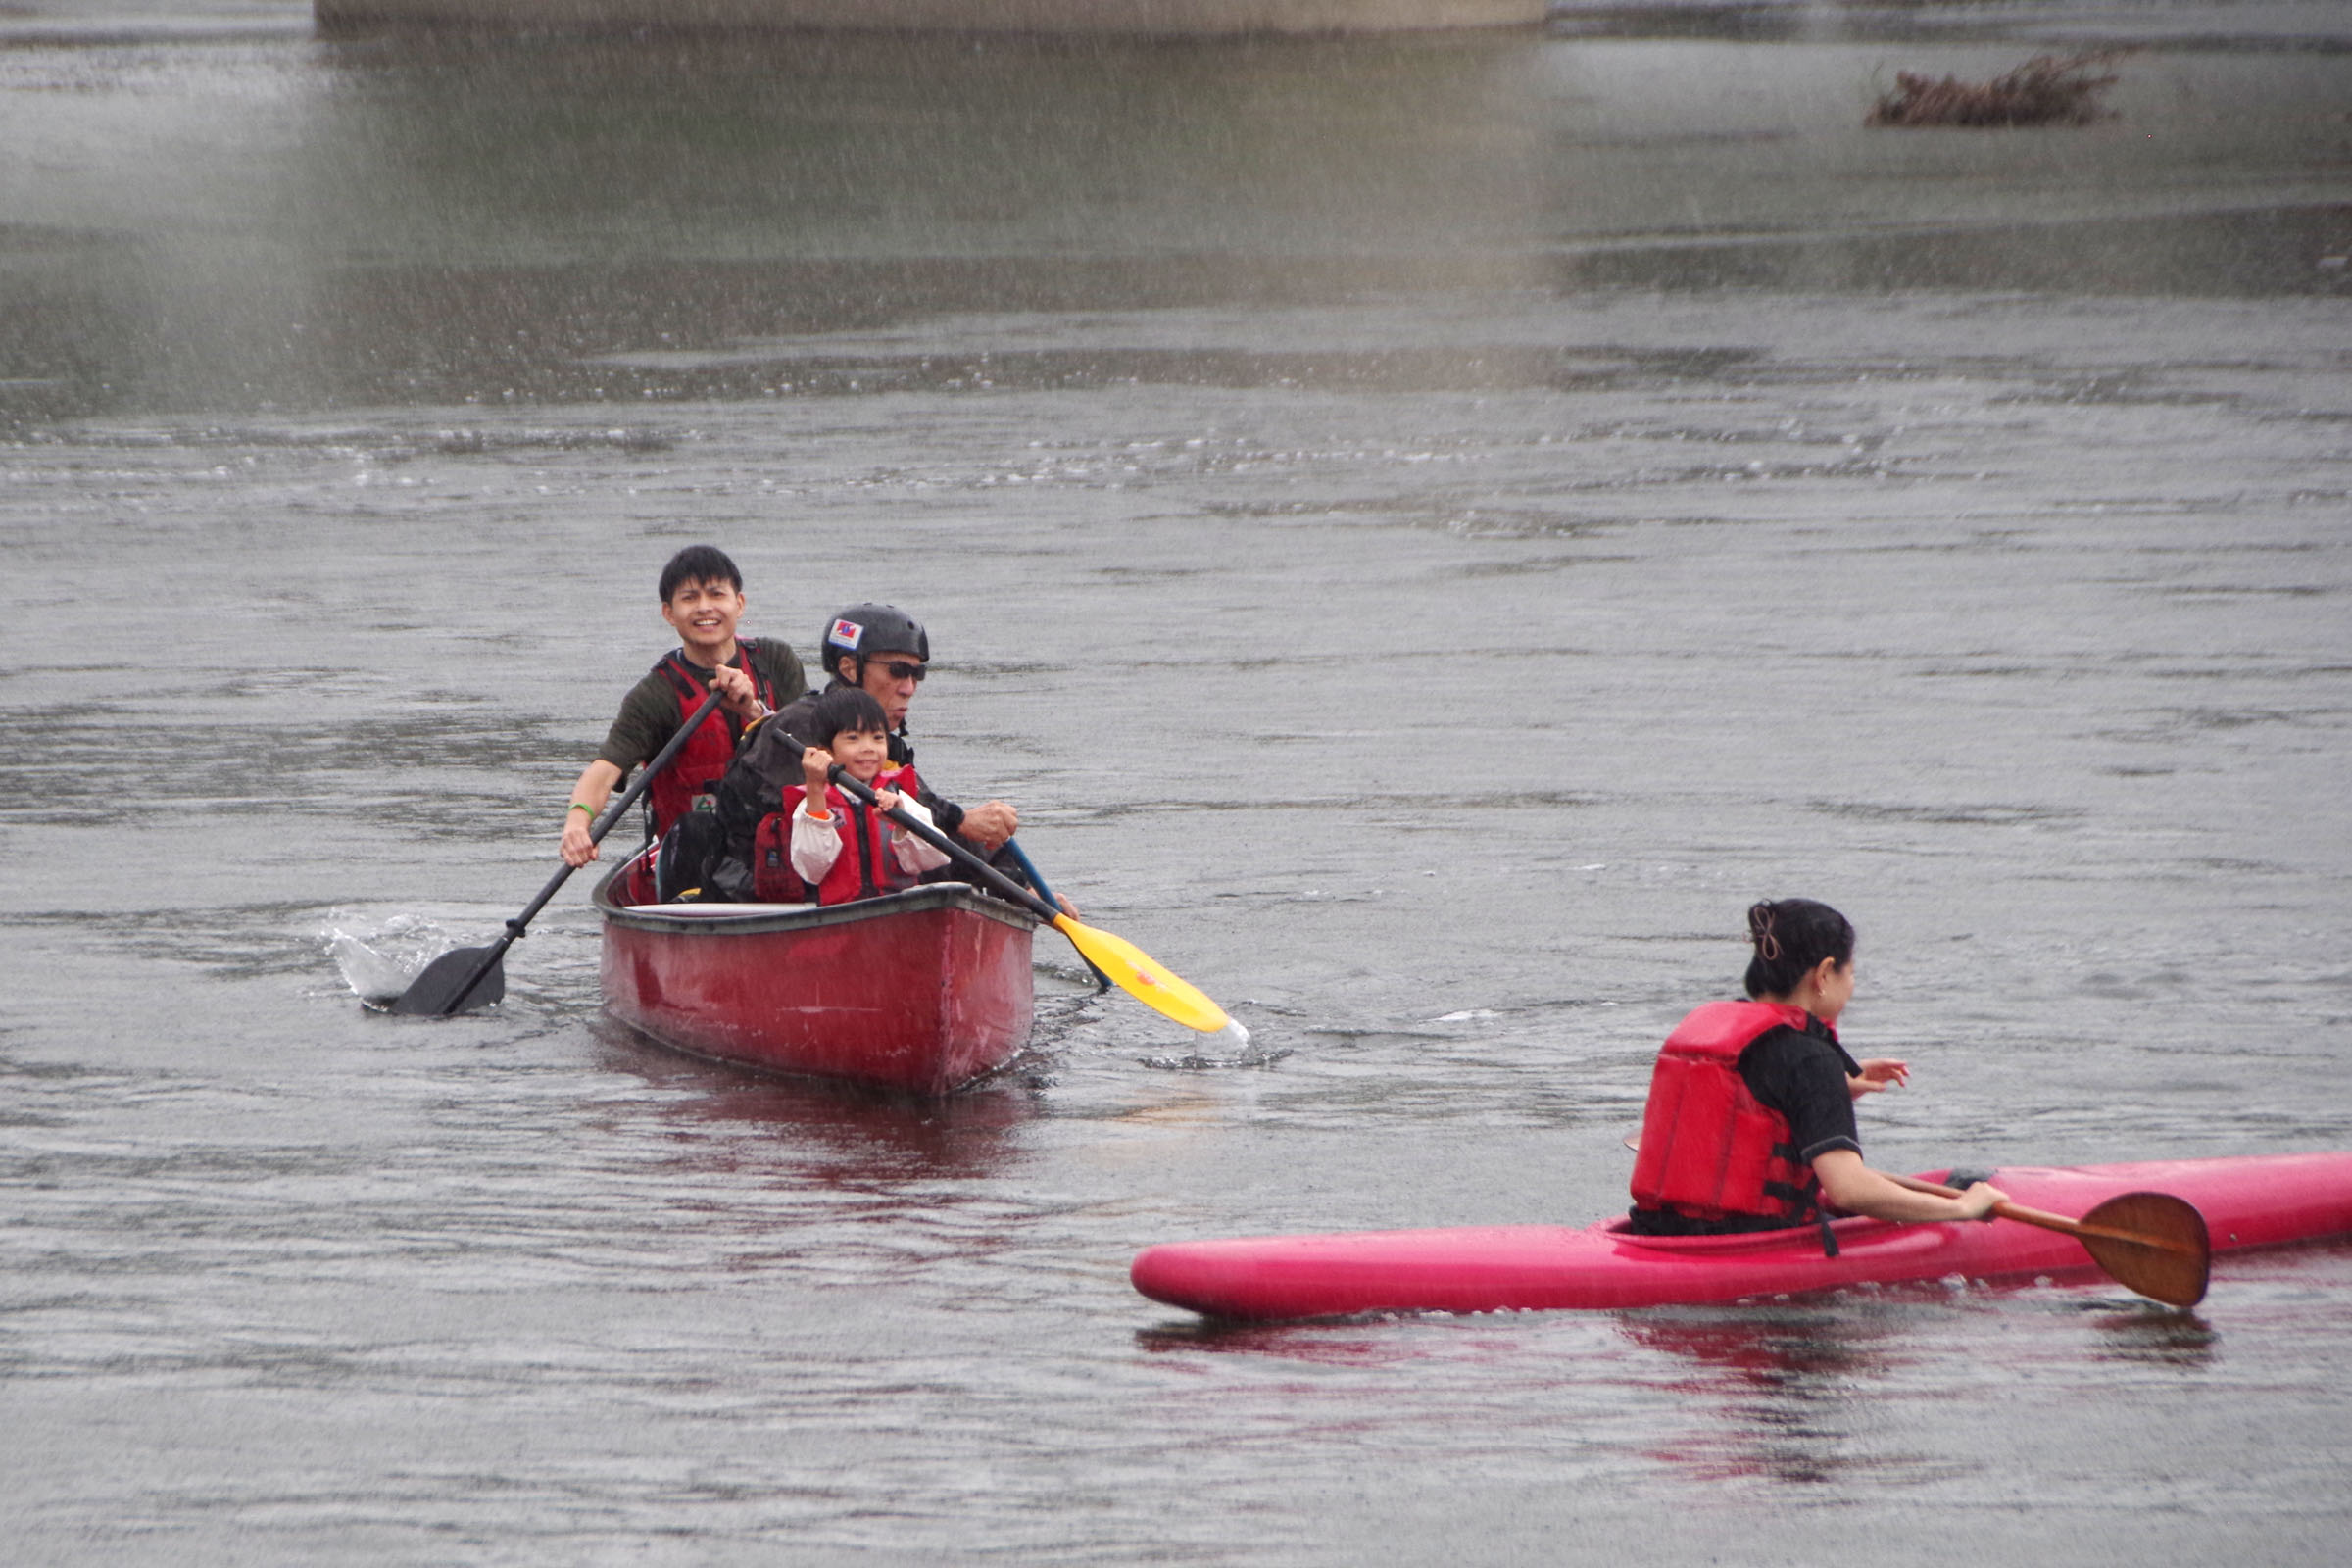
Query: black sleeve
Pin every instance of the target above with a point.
(1803, 1079)
(648, 718)
(793, 717)
(754, 784)
(774, 659)
(946, 814)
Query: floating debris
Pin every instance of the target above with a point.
(2046, 90)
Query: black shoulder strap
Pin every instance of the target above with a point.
(860, 824)
(680, 674)
(747, 652)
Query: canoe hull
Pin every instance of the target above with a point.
(919, 992)
(2265, 1201)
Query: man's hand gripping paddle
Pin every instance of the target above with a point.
(466, 978)
(1121, 962)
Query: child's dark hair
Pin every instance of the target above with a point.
(699, 563)
(1791, 936)
(850, 708)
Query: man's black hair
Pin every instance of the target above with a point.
(699, 563)
(850, 708)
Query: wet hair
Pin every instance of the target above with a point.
(850, 708)
(699, 563)
(1791, 936)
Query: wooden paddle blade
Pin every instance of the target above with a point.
(1132, 970)
(435, 993)
(2152, 1241)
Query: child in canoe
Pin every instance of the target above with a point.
(840, 846)
(1751, 1121)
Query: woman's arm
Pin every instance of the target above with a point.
(1851, 1184)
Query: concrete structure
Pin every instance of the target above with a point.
(1127, 18)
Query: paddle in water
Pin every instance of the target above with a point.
(466, 978)
(1121, 962)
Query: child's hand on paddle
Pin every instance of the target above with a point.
(887, 801)
(816, 764)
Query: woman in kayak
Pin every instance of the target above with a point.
(1751, 1121)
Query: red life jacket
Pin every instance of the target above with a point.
(867, 864)
(1710, 1149)
(688, 783)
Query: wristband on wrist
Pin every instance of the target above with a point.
(577, 806)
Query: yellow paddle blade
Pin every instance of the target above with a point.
(1132, 970)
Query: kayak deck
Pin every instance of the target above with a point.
(2256, 1201)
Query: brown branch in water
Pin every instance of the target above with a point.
(2045, 90)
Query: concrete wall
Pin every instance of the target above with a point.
(1131, 17)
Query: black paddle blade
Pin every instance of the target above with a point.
(436, 993)
(2153, 1243)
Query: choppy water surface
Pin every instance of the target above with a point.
(1426, 531)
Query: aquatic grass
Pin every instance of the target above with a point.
(2046, 90)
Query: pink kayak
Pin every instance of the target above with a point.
(2254, 1201)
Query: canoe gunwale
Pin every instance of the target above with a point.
(768, 920)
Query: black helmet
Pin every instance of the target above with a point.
(863, 629)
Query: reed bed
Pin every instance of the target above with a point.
(2046, 90)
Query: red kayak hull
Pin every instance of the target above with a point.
(919, 992)
(2259, 1201)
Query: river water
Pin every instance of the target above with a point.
(1427, 531)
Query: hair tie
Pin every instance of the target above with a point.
(1760, 923)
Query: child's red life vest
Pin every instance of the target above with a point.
(693, 775)
(1710, 1149)
(867, 864)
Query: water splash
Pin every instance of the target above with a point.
(378, 963)
(1234, 1034)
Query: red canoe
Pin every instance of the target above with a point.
(2262, 1201)
(919, 991)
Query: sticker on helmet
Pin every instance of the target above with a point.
(845, 634)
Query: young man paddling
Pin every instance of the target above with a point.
(1751, 1121)
(702, 599)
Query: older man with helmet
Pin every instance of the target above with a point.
(884, 650)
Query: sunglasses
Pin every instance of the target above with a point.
(899, 670)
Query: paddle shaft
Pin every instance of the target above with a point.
(947, 846)
(1131, 970)
(596, 834)
(2071, 1227)
(1037, 880)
